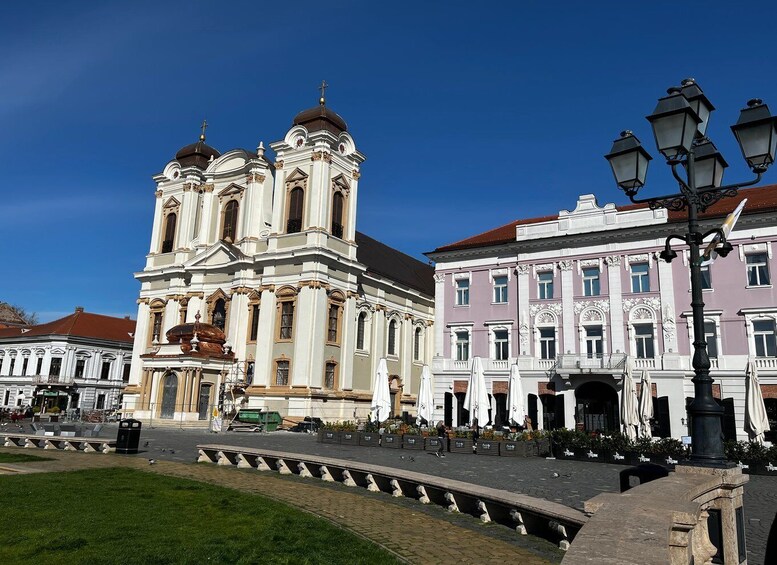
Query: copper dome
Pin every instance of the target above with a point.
(210, 338)
(321, 117)
(197, 154)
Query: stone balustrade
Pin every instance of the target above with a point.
(86, 444)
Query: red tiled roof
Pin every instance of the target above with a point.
(80, 324)
(759, 199)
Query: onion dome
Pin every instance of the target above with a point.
(197, 154)
(321, 118)
(196, 338)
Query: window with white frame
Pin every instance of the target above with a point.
(711, 337)
(500, 289)
(501, 344)
(643, 340)
(417, 344)
(545, 285)
(765, 338)
(392, 337)
(591, 281)
(706, 277)
(462, 292)
(594, 342)
(547, 343)
(462, 345)
(758, 269)
(640, 279)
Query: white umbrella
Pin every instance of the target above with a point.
(515, 410)
(476, 399)
(426, 396)
(756, 420)
(381, 395)
(629, 416)
(645, 406)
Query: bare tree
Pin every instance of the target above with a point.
(18, 313)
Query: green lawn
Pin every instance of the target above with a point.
(20, 458)
(123, 516)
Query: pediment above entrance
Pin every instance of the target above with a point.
(217, 255)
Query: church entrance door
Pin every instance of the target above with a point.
(204, 401)
(169, 392)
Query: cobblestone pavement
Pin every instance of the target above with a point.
(577, 481)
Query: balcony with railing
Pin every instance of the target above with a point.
(61, 380)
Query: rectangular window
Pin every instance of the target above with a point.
(13, 362)
(334, 311)
(329, 376)
(80, 368)
(281, 373)
(706, 278)
(501, 345)
(591, 281)
(56, 366)
(711, 337)
(156, 331)
(757, 270)
(100, 404)
(360, 330)
(254, 322)
(545, 285)
(125, 373)
(392, 338)
(105, 371)
(547, 343)
(24, 366)
(765, 339)
(640, 280)
(417, 344)
(462, 292)
(462, 346)
(249, 372)
(287, 320)
(643, 336)
(593, 342)
(39, 365)
(500, 290)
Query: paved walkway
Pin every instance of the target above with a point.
(413, 532)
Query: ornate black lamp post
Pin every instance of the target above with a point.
(679, 125)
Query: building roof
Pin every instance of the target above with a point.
(320, 117)
(9, 316)
(380, 259)
(79, 324)
(197, 154)
(759, 199)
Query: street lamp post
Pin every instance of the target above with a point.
(679, 125)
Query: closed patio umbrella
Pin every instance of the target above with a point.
(380, 409)
(476, 399)
(629, 415)
(645, 406)
(516, 414)
(756, 420)
(426, 396)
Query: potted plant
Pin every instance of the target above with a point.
(391, 436)
(411, 437)
(461, 442)
(517, 444)
(615, 447)
(329, 433)
(348, 433)
(488, 443)
(370, 436)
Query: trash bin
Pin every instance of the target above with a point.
(129, 436)
(644, 473)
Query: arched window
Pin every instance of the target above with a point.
(337, 214)
(296, 203)
(219, 314)
(167, 242)
(417, 344)
(392, 337)
(229, 231)
(360, 330)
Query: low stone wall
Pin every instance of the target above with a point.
(86, 444)
(666, 521)
(524, 514)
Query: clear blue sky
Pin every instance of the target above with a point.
(471, 114)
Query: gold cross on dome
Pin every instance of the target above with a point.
(204, 127)
(322, 88)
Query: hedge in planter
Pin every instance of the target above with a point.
(412, 442)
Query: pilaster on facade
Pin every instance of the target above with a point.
(567, 304)
(617, 337)
(157, 224)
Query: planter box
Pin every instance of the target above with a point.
(412, 442)
(566, 452)
(542, 447)
(460, 445)
(369, 439)
(349, 438)
(760, 468)
(328, 436)
(488, 447)
(392, 441)
(433, 443)
(517, 449)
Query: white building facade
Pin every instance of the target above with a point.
(80, 361)
(267, 251)
(568, 297)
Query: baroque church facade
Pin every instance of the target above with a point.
(258, 291)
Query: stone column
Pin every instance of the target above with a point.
(265, 339)
(568, 307)
(523, 310)
(616, 304)
(348, 343)
(156, 237)
(439, 315)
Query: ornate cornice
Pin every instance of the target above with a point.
(603, 305)
(356, 174)
(316, 156)
(207, 187)
(240, 290)
(653, 302)
(255, 177)
(522, 269)
(613, 260)
(158, 194)
(554, 307)
(439, 278)
(565, 265)
(279, 164)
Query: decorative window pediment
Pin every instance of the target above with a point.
(286, 292)
(341, 183)
(234, 190)
(296, 179)
(171, 204)
(642, 313)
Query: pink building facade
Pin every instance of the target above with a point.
(568, 297)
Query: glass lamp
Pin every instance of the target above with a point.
(756, 133)
(674, 124)
(629, 162)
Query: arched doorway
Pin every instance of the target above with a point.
(169, 393)
(596, 407)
